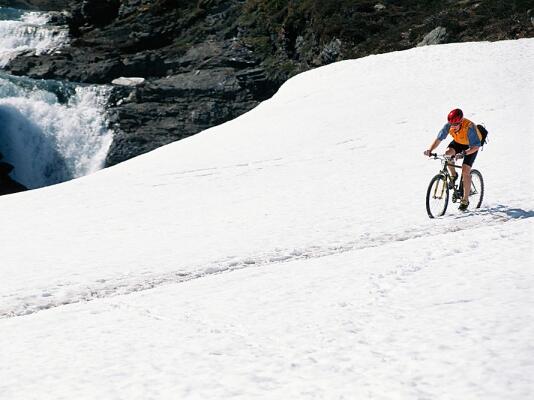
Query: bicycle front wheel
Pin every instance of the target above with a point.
(476, 194)
(437, 196)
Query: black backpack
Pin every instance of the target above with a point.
(484, 133)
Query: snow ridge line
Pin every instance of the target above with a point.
(105, 288)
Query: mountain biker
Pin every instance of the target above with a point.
(465, 144)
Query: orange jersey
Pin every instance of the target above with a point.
(468, 133)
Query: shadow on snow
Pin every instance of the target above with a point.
(500, 210)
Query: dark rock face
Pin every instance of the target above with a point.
(7, 184)
(193, 101)
(208, 61)
(44, 5)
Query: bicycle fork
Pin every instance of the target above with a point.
(442, 189)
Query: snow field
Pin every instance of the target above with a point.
(378, 323)
(341, 287)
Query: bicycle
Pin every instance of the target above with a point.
(437, 195)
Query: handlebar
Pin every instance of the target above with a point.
(437, 156)
(446, 160)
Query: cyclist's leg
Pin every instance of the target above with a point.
(466, 173)
(466, 176)
(451, 153)
(452, 149)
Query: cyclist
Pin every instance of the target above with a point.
(465, 144)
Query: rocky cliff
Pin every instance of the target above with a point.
(7, 184)
(207, 61)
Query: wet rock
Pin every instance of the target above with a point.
(7, 184)
(5, 168)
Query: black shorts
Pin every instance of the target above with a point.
(458, 148)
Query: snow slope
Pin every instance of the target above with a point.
(117, 285)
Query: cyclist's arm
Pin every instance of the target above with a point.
(442, 135)
(434, 144)
(474, 140)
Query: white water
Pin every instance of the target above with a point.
(49, 141)
(22, 31)
(50, 131)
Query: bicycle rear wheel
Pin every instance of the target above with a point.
(476, 194)
(437, 196)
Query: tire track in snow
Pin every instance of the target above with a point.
(70, 293)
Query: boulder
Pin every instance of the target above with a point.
(436, 36)
(7, 184)
(122, 81)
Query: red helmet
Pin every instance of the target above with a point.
(455, 116)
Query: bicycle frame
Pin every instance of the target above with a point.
(446, 162)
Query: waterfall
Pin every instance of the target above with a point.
(50, 131)
(21, 31)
